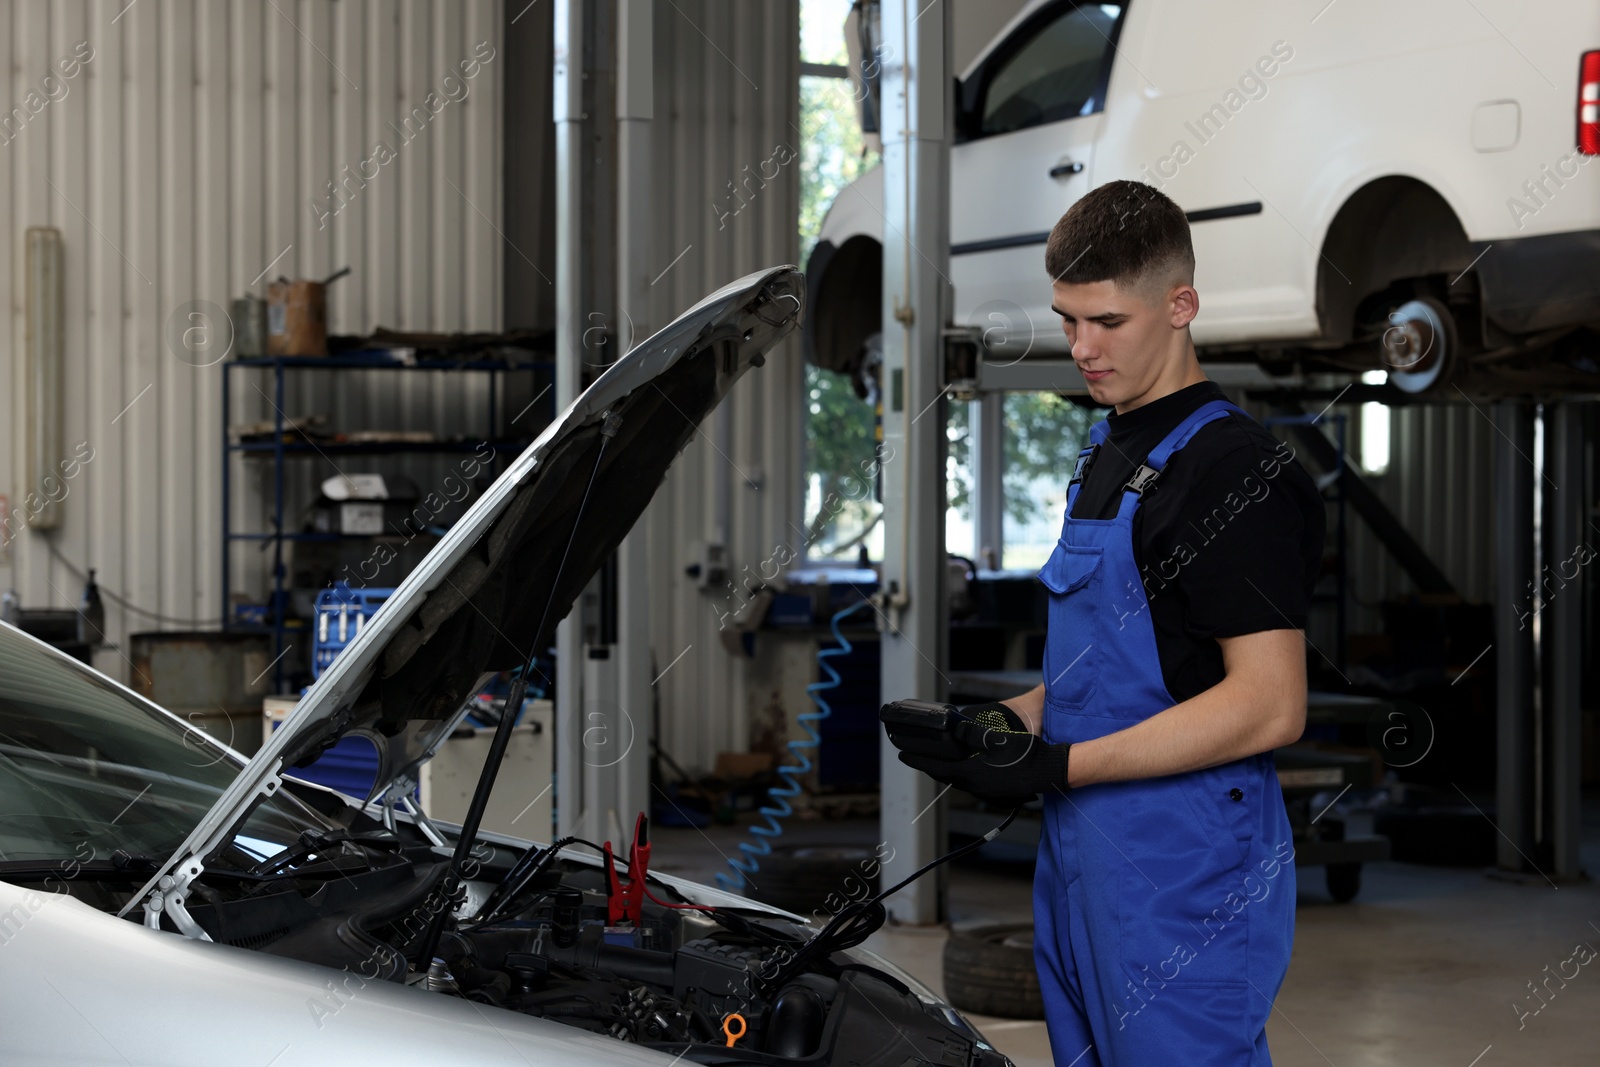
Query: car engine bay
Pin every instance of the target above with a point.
(545, 932)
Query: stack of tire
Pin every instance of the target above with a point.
(989, 970)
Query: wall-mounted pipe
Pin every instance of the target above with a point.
(45, 378)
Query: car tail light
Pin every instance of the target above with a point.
(1589, 104)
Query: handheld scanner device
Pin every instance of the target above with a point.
(924, 728)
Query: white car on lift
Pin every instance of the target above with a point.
(163, 900)
(1405, 186)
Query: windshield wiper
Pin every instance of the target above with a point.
(316, 842)
(120, 863)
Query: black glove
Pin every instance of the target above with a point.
(1008, 764)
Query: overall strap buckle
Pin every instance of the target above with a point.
(1084, 458)
(1142, 479)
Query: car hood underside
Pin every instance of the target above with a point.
(497, 584)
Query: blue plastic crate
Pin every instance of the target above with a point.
(350, 766)
(789, 609)
(342, 613)
(250, 615)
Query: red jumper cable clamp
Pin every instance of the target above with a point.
(625, 902)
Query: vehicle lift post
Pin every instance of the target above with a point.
(915, 94)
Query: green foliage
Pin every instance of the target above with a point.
(1044, 432)
(839, 459)
(958, 458)
(832, 154)
(842, 426)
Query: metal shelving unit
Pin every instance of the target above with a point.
(281, 452)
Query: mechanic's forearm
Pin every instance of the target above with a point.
(1229, 721)
(1029, 708)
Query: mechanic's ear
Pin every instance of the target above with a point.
(1183, 304)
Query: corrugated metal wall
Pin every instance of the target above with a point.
(181, 163)
(1440, 485)
(727, 98)
(528, 167)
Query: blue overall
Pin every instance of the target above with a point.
(1163, 907)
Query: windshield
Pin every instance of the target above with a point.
(86, 766)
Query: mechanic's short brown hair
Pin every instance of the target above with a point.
(1125, 232)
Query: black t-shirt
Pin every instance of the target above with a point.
(1229, 538)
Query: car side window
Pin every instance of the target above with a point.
(1056, 73)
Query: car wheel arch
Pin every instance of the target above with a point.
(1388, 235)
(844, 284)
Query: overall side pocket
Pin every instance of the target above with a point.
(1211, 793)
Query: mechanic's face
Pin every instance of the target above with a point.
(1129, 345)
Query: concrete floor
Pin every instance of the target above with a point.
(1428, 965)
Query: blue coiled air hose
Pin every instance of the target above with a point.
(791, 772)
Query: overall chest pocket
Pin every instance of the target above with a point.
(1071, 657)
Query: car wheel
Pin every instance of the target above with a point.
(989, 970)
(1419, 346)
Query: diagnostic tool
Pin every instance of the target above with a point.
(925, 728)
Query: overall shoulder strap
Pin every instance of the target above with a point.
(1097, 437)
(1080, 468)
(1210, 411)
(1147, 473)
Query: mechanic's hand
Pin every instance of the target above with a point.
(946, 744)
(1008, 765)
(995, 715)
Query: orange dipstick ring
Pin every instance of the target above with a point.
(727, 1027)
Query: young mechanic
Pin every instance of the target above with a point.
(1175, 661)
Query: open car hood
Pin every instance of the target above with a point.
(471, 607)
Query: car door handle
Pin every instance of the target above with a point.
(1066, 169)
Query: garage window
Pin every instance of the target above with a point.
(1043, 434)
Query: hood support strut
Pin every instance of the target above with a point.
(508, 718)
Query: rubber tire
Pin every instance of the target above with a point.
(1344, 881)
(989, 970)
(803, 878)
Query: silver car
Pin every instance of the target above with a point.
(163, 900)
